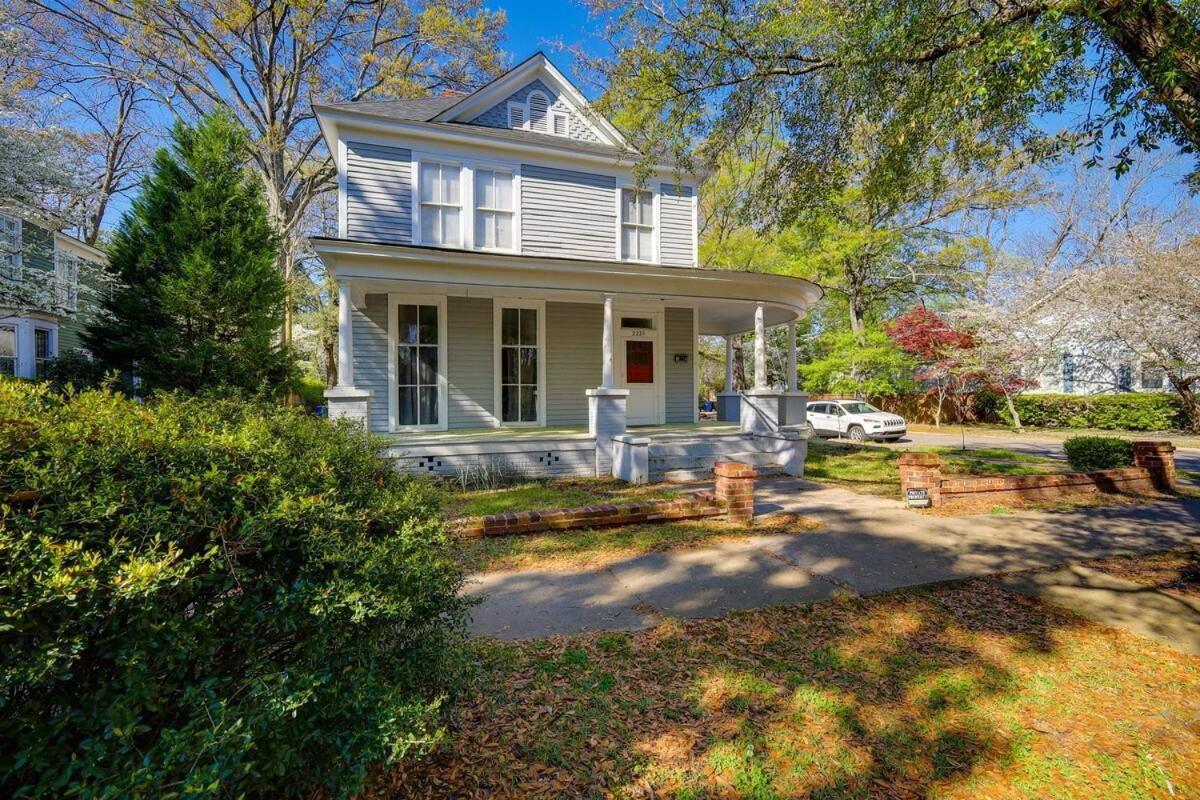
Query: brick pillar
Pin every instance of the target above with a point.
(1159, 459)
(921, 471)
(735, 489)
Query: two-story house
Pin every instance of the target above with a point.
(510, 291)
(48, 284)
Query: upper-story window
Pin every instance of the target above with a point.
(10, 247)
(637, 225)
(66, 280)
(493, 209)
(441, 204)
(8, 350)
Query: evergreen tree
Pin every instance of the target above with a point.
(199, 295)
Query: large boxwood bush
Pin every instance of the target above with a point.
(1147, 411)
(210, 597)
(1091, 453)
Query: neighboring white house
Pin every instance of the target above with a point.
(509, 291)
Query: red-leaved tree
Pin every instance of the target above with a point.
(940, 349)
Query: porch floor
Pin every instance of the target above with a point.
(484, 435)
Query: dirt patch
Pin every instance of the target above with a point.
(1175, 573)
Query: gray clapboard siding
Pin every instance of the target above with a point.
(680, 389)
(471, 362)
(568, 213)
(369, 324)
(677, 218)
(378, 193)
(573, 332)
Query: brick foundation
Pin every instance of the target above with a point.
(1154, 470)
(735, 489)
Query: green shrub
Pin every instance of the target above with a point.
(1091, 453)
(211, 597)
(311, 390)
(1149, 411)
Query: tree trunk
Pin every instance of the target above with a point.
(1191, 403)
(1164, 47)
(1012, 409)
(937, 414)
(739, 364)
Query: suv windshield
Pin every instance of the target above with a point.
(860, 408)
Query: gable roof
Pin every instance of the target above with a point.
(536, 67)
(417, 109)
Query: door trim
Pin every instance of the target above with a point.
(658, 312)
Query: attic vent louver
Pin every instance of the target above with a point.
(560, 124)
(538, 106)
(516, 117)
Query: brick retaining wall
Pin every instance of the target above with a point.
(734, 495)
(1154, 471)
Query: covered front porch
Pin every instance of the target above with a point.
(487, 356)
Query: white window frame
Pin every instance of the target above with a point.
(419, 165)
(12, 232)
(66, 286)
(395, 300)
(498, 306)
(529, 111)
(655, 227)
(513, 212)
(566, 120)
(16, 353)
(515, 106)
(551, 115)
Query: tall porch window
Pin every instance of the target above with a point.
(441, 204)
(417, 354)
(520, 356)
(637, 225)
(43, 351)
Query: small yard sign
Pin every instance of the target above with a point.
(918, 498)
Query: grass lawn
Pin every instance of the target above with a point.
(591, 548)
(537, 495)
(874, 470)
(1179, 438)
(959, 691)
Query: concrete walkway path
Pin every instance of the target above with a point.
(866, 545)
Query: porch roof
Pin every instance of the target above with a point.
(725, 299)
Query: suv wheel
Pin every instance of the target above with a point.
(857, 434)
(812, 432)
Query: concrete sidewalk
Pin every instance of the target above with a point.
(866, 545)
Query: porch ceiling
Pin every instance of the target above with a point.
(725, 299)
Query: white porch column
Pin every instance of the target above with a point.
(728, 364)
(345, 336)
(606, 347)
(791, 376)
(760, 348)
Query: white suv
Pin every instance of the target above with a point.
(854, 419)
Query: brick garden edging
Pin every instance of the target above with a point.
(734, 495)
(1153, 470)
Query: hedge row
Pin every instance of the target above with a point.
(1149, 411)
(1092, 453)
(211, 597)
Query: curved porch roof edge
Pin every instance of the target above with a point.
(350, 259)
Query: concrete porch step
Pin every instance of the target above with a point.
(712, 445)
(699, 469)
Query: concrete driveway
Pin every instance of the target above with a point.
(866, 545)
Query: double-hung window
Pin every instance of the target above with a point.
(43, 351)
(10, 248)
(66, 283)
(520, 354)
(8, 350)
(417, 366)
(637, 225)
(493, 209)
(441, 204)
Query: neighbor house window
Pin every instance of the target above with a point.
(637, 225)
(66, 280)
(1152, 377)
(8, 350)
(1068, 373)
(493, 209)
(1124, 378)
(417, 365)
(43, 351)
(10, 248)
(441, 204)
(519, 358)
